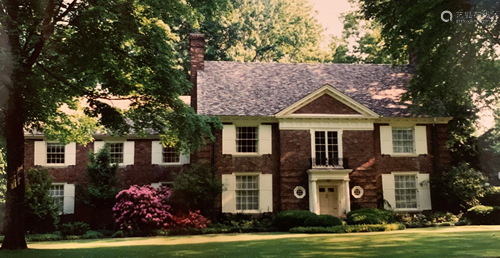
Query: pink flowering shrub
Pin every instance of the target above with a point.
(191, 220)
(142, 207)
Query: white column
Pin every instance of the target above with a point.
(313, 198)
(348, 196)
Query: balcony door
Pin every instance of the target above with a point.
(326, 148)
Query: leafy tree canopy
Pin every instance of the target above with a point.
(56, 52)
(361, 40)
(457, 60)
(265, 31)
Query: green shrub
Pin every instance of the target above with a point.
(44, 237)
(484, 215)
(440, 217)
(41, 211)
(322, 221)
(1, 239)
(74, 229)
(92, 235)
(286, 220)
(458, 188)
(348, 228)
(196, 188)
(369, 216)
(491, 197)
(119, 234)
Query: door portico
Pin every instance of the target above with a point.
(329, 191)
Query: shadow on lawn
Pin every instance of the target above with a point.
(467, 244)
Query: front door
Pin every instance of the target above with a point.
(328, 200)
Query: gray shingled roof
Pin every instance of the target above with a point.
(264, 89)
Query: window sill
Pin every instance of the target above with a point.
(169, 164)
(409, 210)
(404, 155)
(247, 211)
(246, 155)
(56, 165)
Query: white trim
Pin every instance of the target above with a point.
(342, 124)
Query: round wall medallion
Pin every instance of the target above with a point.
(357, 192)
(299, 192)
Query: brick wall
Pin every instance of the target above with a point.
(294, 162)
(326, 105)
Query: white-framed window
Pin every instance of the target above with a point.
(116, 152)
(57, 192)
(405, 187)
(326, 148)
(247, 139)
(407, 191)
(55, 153)
(64, 195)
(169, 155)
(247, 193)
(403, 140)
(122, 151)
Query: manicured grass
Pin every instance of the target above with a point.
(471, 241)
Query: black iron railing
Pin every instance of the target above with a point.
(335, 163)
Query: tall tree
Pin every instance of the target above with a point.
(456, 57)
(361, 40)
(55, 52)
(264, 31)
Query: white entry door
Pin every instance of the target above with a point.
(329, 200)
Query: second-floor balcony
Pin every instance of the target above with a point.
(329, 163)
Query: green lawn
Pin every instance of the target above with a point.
(431, 242)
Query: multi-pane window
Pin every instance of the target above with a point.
(170, 155)
(247, 193)
(326, 144)
(247, 139)
(402, 140)
(57, 192)
(116, 151)
(55, 153)
(406, 191)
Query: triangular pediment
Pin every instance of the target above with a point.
(327, 101)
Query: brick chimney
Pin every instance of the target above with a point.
(197, 53)
(413, 60)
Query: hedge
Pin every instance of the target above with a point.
(484, 215)
(369, 216)
(348, 228)
(286, 220)
(322, 221)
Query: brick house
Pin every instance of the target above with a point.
(319, 137)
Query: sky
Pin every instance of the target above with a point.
(328, 14)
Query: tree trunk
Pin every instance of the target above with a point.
(14, 135)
